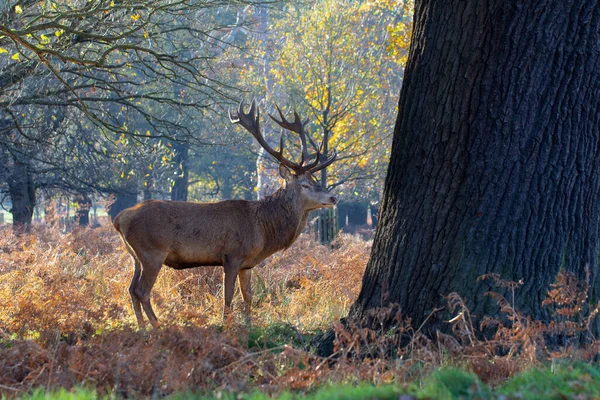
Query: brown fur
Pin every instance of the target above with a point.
(236, 234)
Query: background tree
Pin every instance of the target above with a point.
(224, 171)
(142, 107)
(344, 87)
(494, 159)
(303, 57)
(118, 65)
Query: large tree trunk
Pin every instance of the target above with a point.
(495, 164)
(22, 195)
(179, 191)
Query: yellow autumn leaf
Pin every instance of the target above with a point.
(16, 57)
(135, 17)
(3, 50)
(145, 35)
(18, 9)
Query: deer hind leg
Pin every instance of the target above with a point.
(231, 269)
(151, 265)
(244, 278)
(135, 301)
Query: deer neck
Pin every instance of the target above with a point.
(282, 218)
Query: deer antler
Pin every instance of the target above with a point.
(322, 164)
(298, 127)
(250, 121)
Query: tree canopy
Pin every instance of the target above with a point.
(129, 97)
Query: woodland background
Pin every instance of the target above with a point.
(130, 100)
(108, 102)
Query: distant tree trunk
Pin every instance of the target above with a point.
(22, 195)
(179, 190)
(375, 215)
(267, 179)
(148, 184)
(50, 217)
(147, 193)
(325, 150)
(122, 201)
(324, 174)
(83, 210)
(226, 189)
(495, 164)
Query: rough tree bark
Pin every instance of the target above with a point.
(495, 164)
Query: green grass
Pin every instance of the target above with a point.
(344, 392)
(275, 335)
(453, 383)
(63, 394)
(561, 381)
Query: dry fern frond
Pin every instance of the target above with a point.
(500, 282)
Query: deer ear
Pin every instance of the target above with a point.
(285, 172)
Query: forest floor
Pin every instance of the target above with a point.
(67, 331)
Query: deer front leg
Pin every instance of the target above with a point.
(231, 270)
(244, 278)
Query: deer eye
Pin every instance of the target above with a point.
(306, 186)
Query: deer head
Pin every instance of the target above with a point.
(297, 175)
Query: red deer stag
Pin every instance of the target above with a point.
(236, 234)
